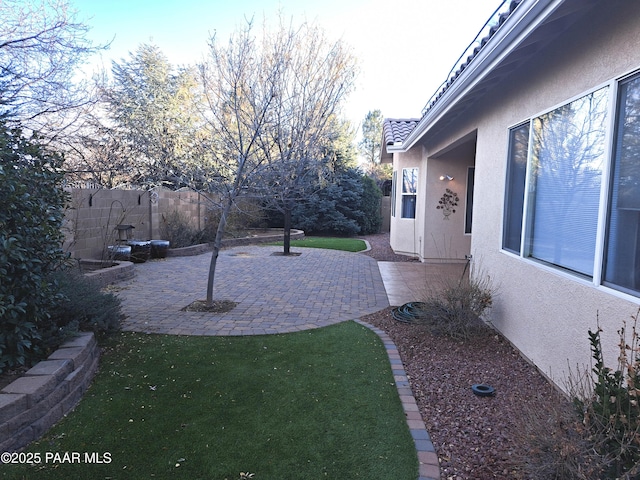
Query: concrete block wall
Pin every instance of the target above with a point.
(93, 214)
(30, 405)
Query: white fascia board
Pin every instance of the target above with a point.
(516, 28)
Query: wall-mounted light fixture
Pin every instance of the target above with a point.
(446, 177)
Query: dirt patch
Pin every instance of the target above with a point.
(475, 437)
(218, 306)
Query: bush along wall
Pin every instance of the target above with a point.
(41, 302)
(31, 213)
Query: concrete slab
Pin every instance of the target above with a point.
(413, 282)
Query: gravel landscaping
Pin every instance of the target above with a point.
(475, 437)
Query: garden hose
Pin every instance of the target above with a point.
(409, 312)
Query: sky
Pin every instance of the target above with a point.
(405, 48)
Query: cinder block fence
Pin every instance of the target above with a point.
(93, 215)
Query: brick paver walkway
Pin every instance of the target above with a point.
(275, 294)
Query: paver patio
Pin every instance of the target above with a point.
(275, 294)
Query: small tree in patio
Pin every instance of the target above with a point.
(316, 77)
(268, 105)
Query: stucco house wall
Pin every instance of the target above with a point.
(406, 232)
(544, 311)
(431, 236)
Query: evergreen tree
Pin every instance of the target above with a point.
(370, 147)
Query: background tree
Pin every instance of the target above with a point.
(370, 146)
(41, 46)
(153, 121)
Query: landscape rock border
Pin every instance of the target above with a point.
(33, 403)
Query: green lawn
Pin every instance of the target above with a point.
(332, 243)
(308, 405)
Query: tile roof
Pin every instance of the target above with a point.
(483, 37)
(396, 130)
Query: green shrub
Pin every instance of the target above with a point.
(349, 205)
(82, 306)
(31, 215)
(610, 405)
(370, 206)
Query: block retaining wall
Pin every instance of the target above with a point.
(33, 403)
(233, 242)
(121, 270)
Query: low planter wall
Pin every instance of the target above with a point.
(265, 236)
(30, 405)
(118, 271)
(189, 251)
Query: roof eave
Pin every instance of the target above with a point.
(516, 28)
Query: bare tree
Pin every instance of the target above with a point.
(97, 153)
(270, 103)
(240, 83)
(41, 46)
(316, 77)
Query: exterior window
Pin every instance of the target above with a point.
(514, 198)
(566, 161)
(562, 155)
(409, 190)
(468, 214)
(394, 182)
(563, 218)
(622, 254)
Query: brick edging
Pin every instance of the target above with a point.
(429, 467)
(30, 405)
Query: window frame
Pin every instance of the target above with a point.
(611, 126)
(509, 188)
(468, 204)
(608, 194)
(412, 192)
(394, 182)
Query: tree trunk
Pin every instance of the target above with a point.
(217, 244)
(287, 231)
